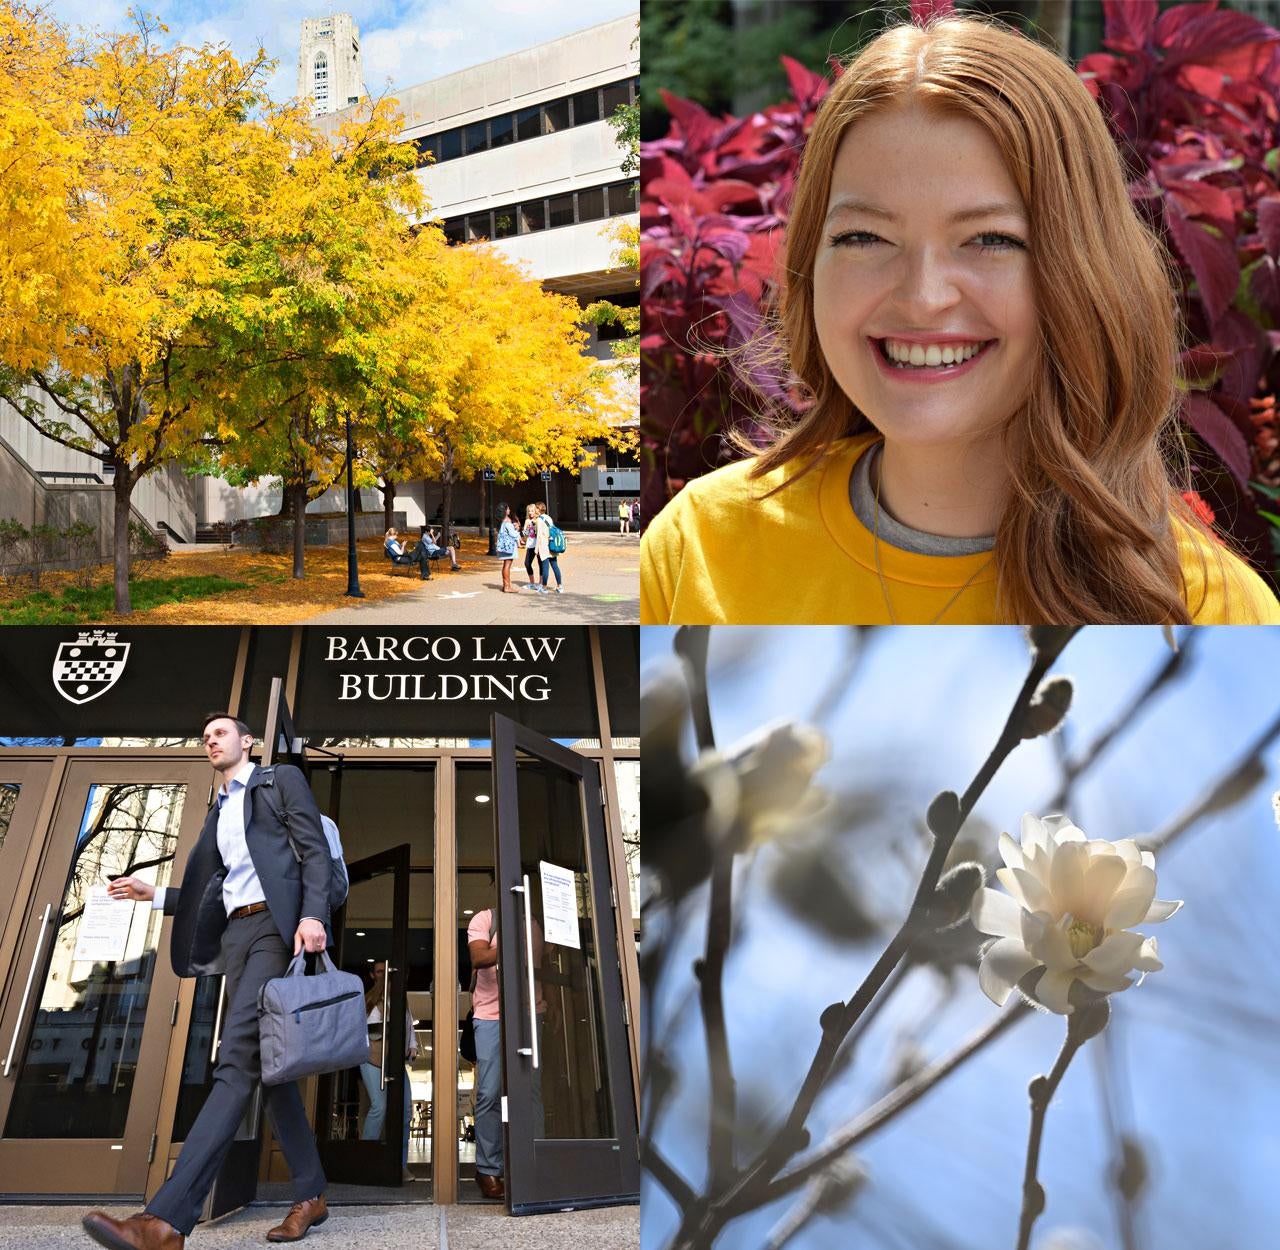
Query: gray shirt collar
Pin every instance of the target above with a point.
(862, 497)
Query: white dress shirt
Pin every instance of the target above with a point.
(241, 885)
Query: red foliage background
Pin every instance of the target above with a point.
(1191, 97)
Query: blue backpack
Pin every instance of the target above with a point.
(556, 540)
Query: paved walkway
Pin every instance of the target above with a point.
(356, 1228)
(601, 574)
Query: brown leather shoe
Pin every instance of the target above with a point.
(138, 1232)
(491, 1186)
(302, 1215)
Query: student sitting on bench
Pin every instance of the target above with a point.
(420, 554)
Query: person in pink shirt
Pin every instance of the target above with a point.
(482, 942)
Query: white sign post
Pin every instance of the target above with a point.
(559, 906)
(104, 927)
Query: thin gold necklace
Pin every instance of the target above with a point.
(884, 586)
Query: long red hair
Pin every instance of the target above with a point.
(1087, 533)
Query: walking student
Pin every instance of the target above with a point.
(549, 548)
(530, 547)
(624, 517)
(508, 543)
(246, 905)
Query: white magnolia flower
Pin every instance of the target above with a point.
(1068, 910)
(765, 781)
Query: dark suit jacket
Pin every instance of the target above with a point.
(294, 888)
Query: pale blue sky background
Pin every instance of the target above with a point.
(1199, 1042)
(404, 41)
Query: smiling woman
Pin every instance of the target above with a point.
(984, 336)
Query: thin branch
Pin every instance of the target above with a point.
(1234, 785)
(662, 1171)
(891, 1105)
(1081, 1025)
(724, 1095)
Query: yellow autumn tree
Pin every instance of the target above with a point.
(333, 282)
(42, 150)
(511, 387)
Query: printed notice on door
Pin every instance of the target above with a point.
(104, 928)
(559, 905)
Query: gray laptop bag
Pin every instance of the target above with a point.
(311, 1024)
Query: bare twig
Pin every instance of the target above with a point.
(662, 1171)
(890, 1106)
(1082, 1024)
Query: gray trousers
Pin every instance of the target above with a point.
(254, 953)
(489, 1096)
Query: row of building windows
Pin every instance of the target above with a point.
(547, 118)
(530, 216)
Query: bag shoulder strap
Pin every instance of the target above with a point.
(271, 797)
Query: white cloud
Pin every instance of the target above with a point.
(406, 41)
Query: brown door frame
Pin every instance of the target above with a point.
(100, 1165)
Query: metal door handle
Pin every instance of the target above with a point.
(217, 1019)
(532, 1049)
(26, 993)
(386, 993)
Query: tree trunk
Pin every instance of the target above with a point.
(299, 494)
(123, 488)
(388, 503)
(446, 498)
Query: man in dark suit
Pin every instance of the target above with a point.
(246, 904)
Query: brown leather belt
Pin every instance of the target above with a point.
(248, 909)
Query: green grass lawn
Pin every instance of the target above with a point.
(78, 605)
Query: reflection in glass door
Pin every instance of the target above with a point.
(22, 786)
(571, 1131)
(82, 1055)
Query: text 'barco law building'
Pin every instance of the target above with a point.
(466, 769)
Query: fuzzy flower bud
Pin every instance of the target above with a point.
(1048, 707)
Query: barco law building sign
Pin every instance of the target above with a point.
(433, 750)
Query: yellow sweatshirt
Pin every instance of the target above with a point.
(721, 553)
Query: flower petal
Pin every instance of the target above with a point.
(1034, 891)
(1148, 860)
(1101, 877)
(1132, 899)
(1148, 959)
(1033, 833)
(1004, 964)
(996, 913)
(1052, 991)
(1010, 852)
(1069, 833)
(1047, 942)
(1116, 954)
(1105, 984)
(1128, 851)
(1161, 909)
(1066, 877)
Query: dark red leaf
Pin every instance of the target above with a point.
(1269, 224)
(1129, 24)
(1212, 258)
(1219, 433)
(806, 86)
(923, 10)
(697, 126)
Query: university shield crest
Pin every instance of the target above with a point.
(84, 669)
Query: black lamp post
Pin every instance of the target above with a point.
(353, 569)
(489, 484)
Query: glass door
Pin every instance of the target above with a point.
(81, 1055)
(570, 1132)
(22, 786)
(363, 1114)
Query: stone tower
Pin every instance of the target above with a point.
(329, 67)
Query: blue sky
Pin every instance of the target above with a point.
(403, 41)
(1195, 1046)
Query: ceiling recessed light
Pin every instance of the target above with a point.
(482, 798)
(359, 933)
(368, 961)
(470, 911)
